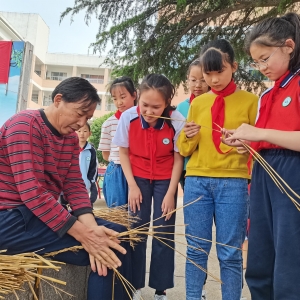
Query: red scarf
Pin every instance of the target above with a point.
(264, 111)
(218, 113)
(118, 114)
(192, 97)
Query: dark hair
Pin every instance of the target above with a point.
(88, 126)
(214, 53)
(273, 32)
(77, 89)
(195, 62)
(163, 85)
(127, 83)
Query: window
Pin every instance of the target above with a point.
(35, 98)
(93, 78)
(60, 76)
(109, 104)
(47, 100)
(37, 72)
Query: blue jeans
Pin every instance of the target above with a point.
(226, 201)
(21, 231)
(115, 187)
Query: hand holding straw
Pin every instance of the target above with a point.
(172, 119)
(278, 180)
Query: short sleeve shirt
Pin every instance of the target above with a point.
(108, 131)
(151, 149)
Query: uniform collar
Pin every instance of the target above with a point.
(159, 125)
(87, 146)
(285, 82)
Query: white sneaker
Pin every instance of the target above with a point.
(137, 295)
(160, 297)
(203, 297)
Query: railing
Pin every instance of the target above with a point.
(47, 101)
(58, 78)
(95, 80)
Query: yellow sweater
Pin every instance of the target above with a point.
(240, 107)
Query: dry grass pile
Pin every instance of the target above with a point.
(138, 234)
(16, 270)
(118, 215)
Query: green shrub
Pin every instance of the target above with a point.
(96, 133)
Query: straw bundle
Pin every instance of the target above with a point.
(118, 215)
(15, 270)
(136, 235)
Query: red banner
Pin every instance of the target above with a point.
(5, 53)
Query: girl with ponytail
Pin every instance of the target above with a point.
(274, 253)
(216, 172)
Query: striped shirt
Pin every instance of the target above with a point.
(108, 131)
(36, 165)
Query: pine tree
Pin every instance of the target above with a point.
(164, 36)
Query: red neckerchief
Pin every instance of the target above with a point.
(81, 149)
(264, 111)
(218, 113)
(118, 114)
(192, 97)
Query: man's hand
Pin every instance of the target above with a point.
(97, 266)
(98, 241)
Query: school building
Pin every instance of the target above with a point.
(49, 69)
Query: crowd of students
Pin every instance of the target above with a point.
(152, 139)
(152, 147)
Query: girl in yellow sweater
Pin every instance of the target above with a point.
(216, 172)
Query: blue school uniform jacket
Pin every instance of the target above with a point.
(88, 165)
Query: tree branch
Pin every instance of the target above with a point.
(215, 14)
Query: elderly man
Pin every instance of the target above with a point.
(38, 160)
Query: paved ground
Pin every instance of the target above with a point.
(213, 288)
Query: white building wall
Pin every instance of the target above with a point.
(55, 68)
(90, 71)
(7, 32)
(32, 28)
(74, 60)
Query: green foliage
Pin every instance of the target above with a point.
(96, 133)
(181, 4)
(164, 36)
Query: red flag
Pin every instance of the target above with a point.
(5, 53)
